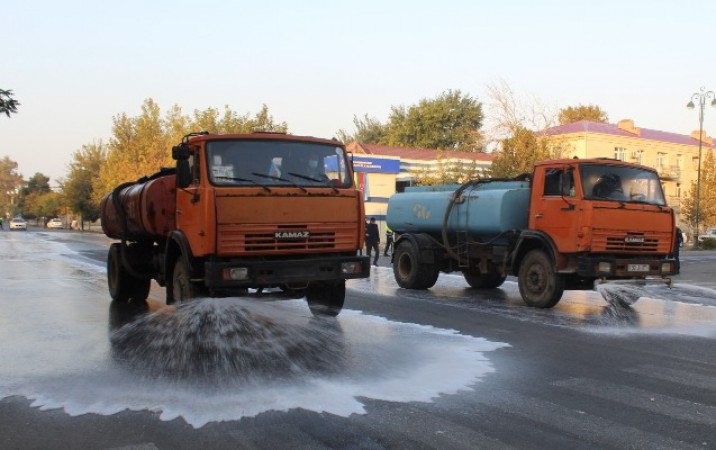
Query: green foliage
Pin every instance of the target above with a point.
(10, 184)
(449, 122)
(42, 204)
(78, 189)
(8, 105)
(573, 114)
(368, 130)
(142, 145)
(519, 153)
(707, 196)
(37, 185)
(447, 172)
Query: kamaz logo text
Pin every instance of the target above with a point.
(288, 235)
(634, 239)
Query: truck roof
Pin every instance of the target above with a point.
(593, 161)
(262, 136)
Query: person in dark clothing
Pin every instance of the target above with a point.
(678, 241)
(372, 239)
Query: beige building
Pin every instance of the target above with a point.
(674, 156)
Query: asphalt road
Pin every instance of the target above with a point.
(582, 375)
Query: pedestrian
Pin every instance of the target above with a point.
(678, 241)
(372, 240)
(388, 241)
(1, 228)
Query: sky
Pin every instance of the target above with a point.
(74, 65)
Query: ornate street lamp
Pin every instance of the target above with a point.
(701, 96)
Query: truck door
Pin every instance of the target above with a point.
(554, 206)
(191, 211)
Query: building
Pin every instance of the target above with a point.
(674, 156)
(382, 170)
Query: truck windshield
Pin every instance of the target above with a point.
(621, 183)
(277, 163)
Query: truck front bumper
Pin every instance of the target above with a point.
(255, 273)
(610, 267)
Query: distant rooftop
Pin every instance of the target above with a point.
(417, 154)
(626, 128)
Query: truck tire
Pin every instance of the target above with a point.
(540, 286)
(478, 280)
(326, 298)
(409, 272)
(183, 289)
(123, 287)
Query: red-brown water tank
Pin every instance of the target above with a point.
(149, 208)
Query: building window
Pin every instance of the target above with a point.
(638, 156)
(620, 153)
(679, 161)
(678, 190)
(660, 160)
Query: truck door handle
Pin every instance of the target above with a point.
(539, 216)
(178, 211)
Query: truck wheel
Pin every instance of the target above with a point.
(540, 286)
(123, 287)
(409, 272)
(477, 280)
(183, 289)
(326, 299)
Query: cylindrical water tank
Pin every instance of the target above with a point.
(483, 211)
(149, 208)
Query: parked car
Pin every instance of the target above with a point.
(710, 234)
(55, 223)
(18, 223)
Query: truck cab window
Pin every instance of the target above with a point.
(558, 182)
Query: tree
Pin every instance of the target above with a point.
(45, 204)
(707, 197)
(8, 105)
(573, 114)
(368, 130)
(449, 122)
(38, 185)
(447, 172)
(10, 184)
(519, 153)
(78, 189)
(141, 145)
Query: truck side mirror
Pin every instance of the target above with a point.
(180, 152)
(183, 173)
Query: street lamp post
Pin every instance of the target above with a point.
(701, 96)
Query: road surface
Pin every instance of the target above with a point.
(445, 368)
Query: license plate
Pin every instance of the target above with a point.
(637, 267)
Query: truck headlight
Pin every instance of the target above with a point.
(236, 273)
(351, 267)
(666, 267)
(604, 266)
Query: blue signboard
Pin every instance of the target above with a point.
(375, 165)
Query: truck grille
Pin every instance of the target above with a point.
(631, 243)
(260, 239)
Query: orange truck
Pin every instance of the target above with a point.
(259, 210)
(569, 224)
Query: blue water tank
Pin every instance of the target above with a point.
(483, 211)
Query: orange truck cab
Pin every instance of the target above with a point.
(258, 210)
(568, 225)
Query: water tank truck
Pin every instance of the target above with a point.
(569, 224)
(239, 211)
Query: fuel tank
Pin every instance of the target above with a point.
(484, 211)
(149, 209)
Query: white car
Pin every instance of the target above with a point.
(18, 223)
(710, 234)
(55, 223)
